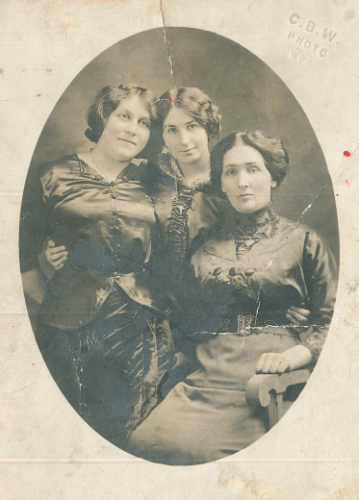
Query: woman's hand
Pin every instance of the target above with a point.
(52, 258)
(55, 256)
(291, 359)
(298, 315)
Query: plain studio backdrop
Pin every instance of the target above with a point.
(250, 96)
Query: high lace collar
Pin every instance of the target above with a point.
(250, 224)
(255, 220)
(169, 166)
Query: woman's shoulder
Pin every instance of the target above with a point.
(60, 165)
(297, 228)
(308, 238)
(215, 242)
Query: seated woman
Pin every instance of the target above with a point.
(247, 275)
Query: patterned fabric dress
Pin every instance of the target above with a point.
(246, 275)
(183, 213)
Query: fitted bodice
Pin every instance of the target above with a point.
(291, 267)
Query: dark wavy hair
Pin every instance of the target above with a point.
(108, 99)
(196, 102)
(272, 150)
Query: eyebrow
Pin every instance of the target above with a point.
(248, 164)
(148, 117)
(175, 126)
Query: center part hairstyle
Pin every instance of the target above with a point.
(196, 103)
(108, 99)
(271, 148)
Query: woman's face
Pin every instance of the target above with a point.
(245, 179)
(127, 129)
(185, 138)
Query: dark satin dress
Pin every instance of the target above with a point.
(106, 341)
(244, 290)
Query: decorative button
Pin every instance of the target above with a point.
(113, 196)
(85, 348)
(112, 183)
(118, 245)
(249, 272)
(232, 271)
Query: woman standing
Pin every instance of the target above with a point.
(247, 275)
(187, 121)
(108, 345)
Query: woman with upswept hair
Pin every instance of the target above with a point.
(106, 341)
(188, 120)
(246, 274)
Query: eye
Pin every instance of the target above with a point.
(231, 171)
(191, 126)
(124, 116)
(171, 130)
(253, 169)
(144, 123)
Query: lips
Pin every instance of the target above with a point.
(247, 195)
(187, 150)
(126, 140)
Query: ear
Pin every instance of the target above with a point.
(273, 183)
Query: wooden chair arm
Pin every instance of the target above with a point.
(266, 390)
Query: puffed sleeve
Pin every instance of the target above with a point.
(48, 180)
(57, 178)
(321, 277)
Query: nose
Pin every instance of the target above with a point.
(131, 127)
(184, 137)
(242, 179)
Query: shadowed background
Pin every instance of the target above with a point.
(250, 95)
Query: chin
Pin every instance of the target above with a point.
(126, 154)
(190, 158)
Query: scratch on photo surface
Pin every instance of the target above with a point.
(333, 177)
(165, 32)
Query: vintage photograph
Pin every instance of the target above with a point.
(179, 246)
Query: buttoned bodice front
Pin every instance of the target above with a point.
(106, 228)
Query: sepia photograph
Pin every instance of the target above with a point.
(179, 246)
(180, 237)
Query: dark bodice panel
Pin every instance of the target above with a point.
(105, 226)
